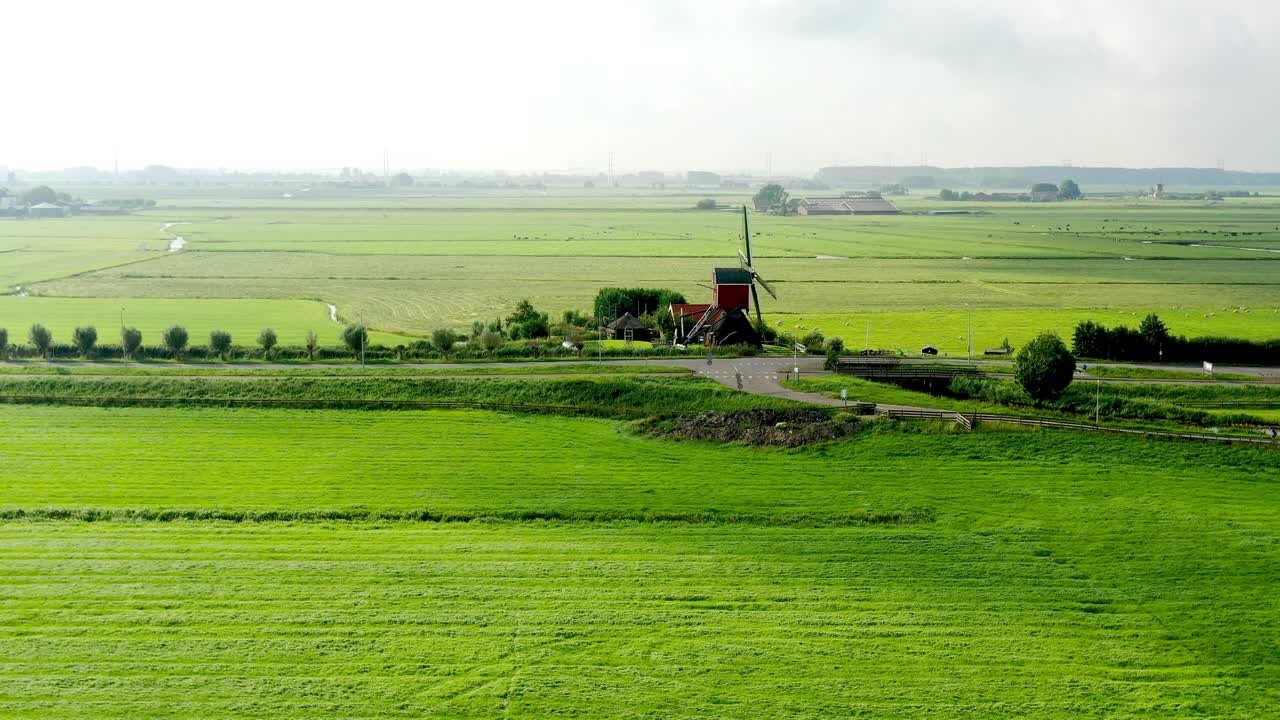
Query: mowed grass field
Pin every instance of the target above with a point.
(244, 319)
(448, 259)
(1040, 575)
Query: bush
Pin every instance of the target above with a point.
(835, 348)
(219, 343)
(443, 339)
(41, 339)
(4, 343)
(175, 339)
(311, 344)
(1152, 341)
(813, 342)
(706, 204)
(356, 338)
(130, 341)
(85, 338)
(1044, 367)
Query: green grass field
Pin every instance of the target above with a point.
(408, 263)
(244, 319)
(1044, 575)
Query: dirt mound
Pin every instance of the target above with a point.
(787, 428)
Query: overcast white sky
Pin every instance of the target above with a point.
(664, 85)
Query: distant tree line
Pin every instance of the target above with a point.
(1152, 341)
(1068, 190)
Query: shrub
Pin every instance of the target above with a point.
(356, 338)
(706, 204)
(1044, 367)
(130, 341)
(311, 344)
(4, 343)
(490, 341)
(835, 348)
(175, 339)
(443, 339)
(219, 343)
(813, 342)
(41, 339)
(85, 338)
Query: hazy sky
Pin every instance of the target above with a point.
(664, 85)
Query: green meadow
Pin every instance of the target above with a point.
(594, 572)
(421, 261)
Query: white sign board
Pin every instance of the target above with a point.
(801, 348)
(1208, 367)
(844, 393)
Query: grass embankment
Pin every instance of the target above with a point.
(308, 370)
(1166, 406)
(636, 396)
(1061, 573)
(1141, 373)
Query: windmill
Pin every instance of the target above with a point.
(733, 291)
(746, 265)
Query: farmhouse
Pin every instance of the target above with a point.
(846, 206)
(628, 328)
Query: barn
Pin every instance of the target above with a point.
(846, 206)
(46, 210)
(628, 328)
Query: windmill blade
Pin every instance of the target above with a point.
(764, 285)
(742, 259)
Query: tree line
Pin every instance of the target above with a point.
(1152, 341)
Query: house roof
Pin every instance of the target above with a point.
(626, 322)
(732, 276)
(849, 205)
(46, 206)
(870, 205)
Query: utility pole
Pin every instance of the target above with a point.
(868, 348)
(970, 334)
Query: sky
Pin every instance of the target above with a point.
(663, 85)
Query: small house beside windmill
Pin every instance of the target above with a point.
(726, 319)
(628, 328)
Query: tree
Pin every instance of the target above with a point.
(1044, 188)
(477, 328)
(490, 341)
(527, 323)
(706, 204)
(948, 195)
(175, 339)
(771, 197)
(268, 340)
(41, 339)
(85, 338)
(311, 344)
(402, 179)
(813, 341)
(4, 344)
(1069, 190)
(443, 339)
(835, 348)
(356, 338)
(39, 194)
(1089, 340)
(130, 341)
(1044, 367)
(1155, 333)
(220, 343)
